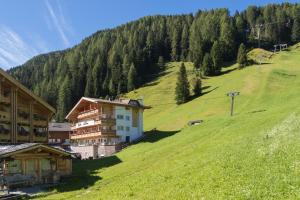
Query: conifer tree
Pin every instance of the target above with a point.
(184, 43)
(132, 78)
(207, 65)
(227, 37)
(160, 61)
(216, 55)
(197, 87)
(182, 92)
(112, 88)
(242, 56)
(64, 100)
(89, 87)
(97, 77)
(296, 30)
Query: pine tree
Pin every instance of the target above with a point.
(217, 59)
(196, 44)
(227, 37)
(197, 87)
(46, 72)
(112, 88)
(182, 92)
(89, 87)
(296, 30)
(207, 65)
(184, 43)
(132, 78)
(160, 61)
(64, 100)
(242, 56)
(97, 77)
(175, 42)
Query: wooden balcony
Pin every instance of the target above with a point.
(23, 121)
(93, 133)
(40, 123)
(40, 139)
(4, 137)
(105, 121)
(102, 120)
(4, 99)
(86, 114)
(5, 116)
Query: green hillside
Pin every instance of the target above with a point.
(252, 155)
(114, 61)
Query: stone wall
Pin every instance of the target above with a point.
(96, 151)
(107, 150)
(86, 152)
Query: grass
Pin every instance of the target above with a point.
(252, 155)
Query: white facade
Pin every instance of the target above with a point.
(124, 123)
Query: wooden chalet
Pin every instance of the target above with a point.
(32, 163)
(24, 116)
(25, 157)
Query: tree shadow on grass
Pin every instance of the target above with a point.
(209, 91)
(156, 135)
(85, 174)
(203, 93)
(228, 64)
(257, 111)
(227, 71)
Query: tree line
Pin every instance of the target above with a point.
(114, 61)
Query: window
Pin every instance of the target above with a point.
(14, 167)
(103, 140)
(120, 117)
(127, 118)
(127, 128)
(120, 128)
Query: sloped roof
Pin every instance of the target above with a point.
(8, 150)
(25, 90)
(120, 102)
(54, 126)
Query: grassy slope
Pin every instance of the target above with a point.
(252, 155)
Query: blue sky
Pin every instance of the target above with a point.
(32, 27)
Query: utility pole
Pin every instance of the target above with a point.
(258, 29)
(232, 95)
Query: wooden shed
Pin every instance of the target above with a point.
(32, 163)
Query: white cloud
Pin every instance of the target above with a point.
(13, 49)
(59, 22)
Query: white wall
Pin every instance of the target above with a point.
(134, 132)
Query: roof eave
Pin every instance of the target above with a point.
(26, 90)
(32, 147)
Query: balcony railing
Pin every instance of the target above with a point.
(4, 116)
(5, 99)
(40, 123)
(95, 130)
(101, 119)
(88, 133)
(115, 141)
(87, 113)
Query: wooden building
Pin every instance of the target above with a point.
(59, 134)
(99, 125)
(32, 163)
(25, 157)
(24, 116)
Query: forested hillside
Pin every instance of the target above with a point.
(115, 61)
